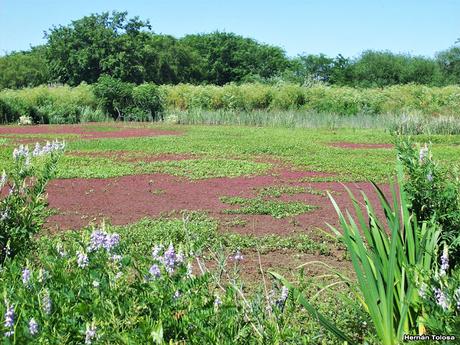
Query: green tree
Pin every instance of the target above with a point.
(99, 44)
(23, 69)
(227, 57)
(449, 63)
(114, 96)
(374, 68)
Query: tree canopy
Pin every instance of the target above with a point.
(112, 44)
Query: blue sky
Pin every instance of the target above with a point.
(420, 27)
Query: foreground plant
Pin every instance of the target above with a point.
(387, 255)
(22, 196)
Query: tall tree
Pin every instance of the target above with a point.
(227, 57)
(99, 44)
(22, 69)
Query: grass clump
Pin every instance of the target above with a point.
(278, 191)
(258, 206)
(206, 168)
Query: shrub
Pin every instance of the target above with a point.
(433, 192)
(439, 290)
(23, 209)
(387, 258)
(89, 114)
(60, 113)
(114, 96)
(147, 98)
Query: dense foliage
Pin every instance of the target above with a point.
(122, 100)
(23, 208)
(127, 49)
(406, 279)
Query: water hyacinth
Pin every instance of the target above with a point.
(9, 320)
(26, 276)
(54, 146)
(90, 334)
(429, 177)
(423, 153)
(444, 261)
(155, 271)
(169, 259)
(21, 152)
(284, 294)
(156, 252)
(33, 327)
(100, 239)
(82, 259)
(441, 298)
(422, 290)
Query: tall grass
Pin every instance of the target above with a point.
(398, 99)
(404, 124)
(285, 105)
(44, 104)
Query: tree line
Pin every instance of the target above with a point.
(127, 49)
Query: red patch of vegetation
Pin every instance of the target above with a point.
(347, 145)
(133, 156)
(128, 199)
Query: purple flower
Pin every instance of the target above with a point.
(217, 302)
(284, 293)
(429, 177)
(25, 276)
(423, 153)
(82, 260)
(21, 151)
(180, 257)
(9, 317)
(177, 294)
(155, 271)
(441, 299)
(90, 334)
(444, 261)
(238, 256)
(422, 290)
(156, 251)
(111, 241)
(33, 326)
(97, 240)
(100, 239)
(169, 259)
